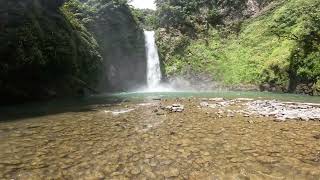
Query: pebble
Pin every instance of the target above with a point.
(205, 153)
(149, 156)
(149, 174)
(187, 145)
(175, 108)
(171, 172)
(135, 171)
(244, 99)
(160, 113)
(204, 104)
(153, 163)
(267, 159)
(216, 99)
(316, 136)
(116, 173)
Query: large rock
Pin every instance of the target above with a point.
(122, 47)
(43, 53)
(175, 108)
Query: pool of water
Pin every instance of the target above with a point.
(128, 136)
(82, 104)
(211, 94)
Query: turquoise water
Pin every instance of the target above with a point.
(80, 139)
(212, 94)
(86, 103)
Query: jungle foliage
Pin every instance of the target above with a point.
(52, 49)
(276, 46)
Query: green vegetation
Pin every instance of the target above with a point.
(68, 47)
(146, 18)
(278, 48)
(45, 52)
(63, 48)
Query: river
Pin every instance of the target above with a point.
(130, 136)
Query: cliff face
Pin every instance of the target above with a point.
(56, 49)
(44, 53)
(120, 39)
(121, 43)
(235, 10)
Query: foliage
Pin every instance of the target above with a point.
(279, 47)
(192, 17)
(145, 17)
(51, 49)
(299, 22)
(121, 41)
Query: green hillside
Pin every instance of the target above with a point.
(278, 49)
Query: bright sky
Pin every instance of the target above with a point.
(143, 4)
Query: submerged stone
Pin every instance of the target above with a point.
(135, 171)
(216, 99)
(171, 172)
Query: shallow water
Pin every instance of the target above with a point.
(224, 94)
(84, 139)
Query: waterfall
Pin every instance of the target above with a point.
(153, 64)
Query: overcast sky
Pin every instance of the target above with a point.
(143, 4)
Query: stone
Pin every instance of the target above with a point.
(153, 163)
(267, 159)
(199, 175)
(304, 118)
(244, 99)
(175, 108)
(283, 111)
(160, 113)
(280, 119)
(299, 143)
(184, 142)
(204, 153)
(251, 121)
(135, 171)
(149, 174)
(216, 99)
(171, 172)
(165, 162)
(204, 104)
(148, 156)
(316, 136)
(237, 160)
(116, 174)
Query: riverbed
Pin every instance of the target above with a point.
(162, 136)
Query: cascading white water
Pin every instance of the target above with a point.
(153, 64)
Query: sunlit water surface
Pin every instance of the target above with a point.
(121, 136)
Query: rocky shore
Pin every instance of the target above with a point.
(246, 107)
(183, 138)
(280, 111)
